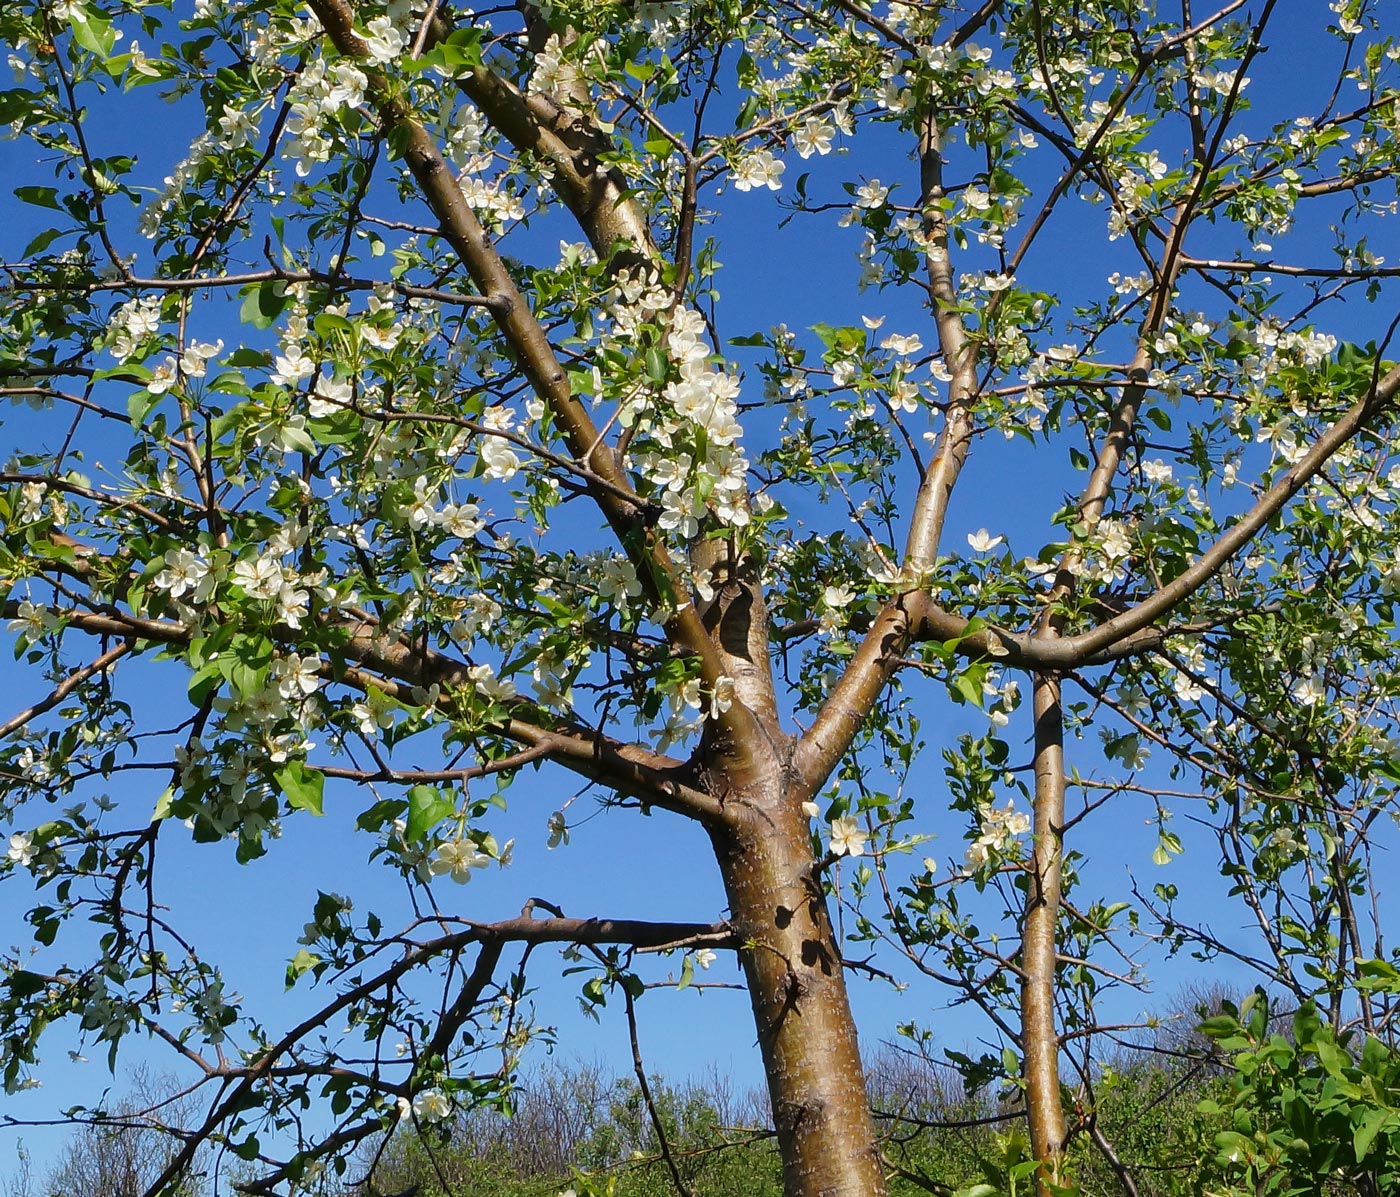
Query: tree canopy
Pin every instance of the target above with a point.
(388, 448)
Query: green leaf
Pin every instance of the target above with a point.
(657, 366)
(302, 962)
(1218, 1026)
(92, 30)
(427, 807)
(1377, 975)
(263, 303)
(40, 197)
(1372, 1124)
(302, 786)
(139, 405)
(43, 241)
(1160, 418)
(380, 814)
(162, 810)
(461, 48)
(205, 682)
(969, 687)
(23, 984)
(328, 322)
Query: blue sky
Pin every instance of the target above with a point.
(619, 864)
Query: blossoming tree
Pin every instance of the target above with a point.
(421, 419)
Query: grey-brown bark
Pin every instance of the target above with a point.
(793, 966)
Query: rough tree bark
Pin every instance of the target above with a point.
(792, 963)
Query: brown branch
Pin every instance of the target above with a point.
(275, 274)
(880, 650)
(1239, 534)
(66, 687)
(97, 496)
(562, 132)
(1040, 1042)
(644, 1086)
(632, 770)
(1359, 273)
(652, 778)
(523, 929)
(541, 367)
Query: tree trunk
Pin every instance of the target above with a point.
(1040, 1042)
(805, 1030)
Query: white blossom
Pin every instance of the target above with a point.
(457, 859)
(759, 170)
(432, 1105)
(21, 849)
(846, 837)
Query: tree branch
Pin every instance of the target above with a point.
(464, 232)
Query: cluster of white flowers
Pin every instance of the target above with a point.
(36, 499)
(662, 19)
(193, 363)
(465, 131)
(34, 765)
(998, 828)
(373, 713)
(460, 520)
(21, 849)
(1211, 79)
(691, 456)
(983, 541)
(295, 678)
(547, 680)
(1305, 346)
(1311, 687)
(759, 169)
(1109, 550)
(1131, 285)
(492, 202)
(479, 612)
(185, 572)
(1003, 698)
(617, 581)
(552, 72)
(814, 136)
(135, 321)
(1157, 471)
(175, 184)
(491, 687)
(987, 214)
(320, 94)
(328, 397)
(499, 459)
(684, 702)
(269, 578)
(219, 781)
(1193, 661)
